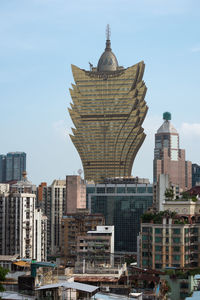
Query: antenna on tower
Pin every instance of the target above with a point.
(108, 32)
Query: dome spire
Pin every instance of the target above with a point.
(108, 43)
(108, 61)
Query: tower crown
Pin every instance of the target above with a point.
(108, 61)
(167, 116)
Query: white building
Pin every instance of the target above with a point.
(22, 226)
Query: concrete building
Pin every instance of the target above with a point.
(169, 158)
(73, 226)
(12, 165)
(108, 110)
(52, 201)
(97, 246)
(75, 194)
(171, 238)
(161, 187)
(22, 226)
(122, 201)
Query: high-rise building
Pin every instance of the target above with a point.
(195, 174)
(12, 165)
(2, 168)
(108, 110)
(51, 199)
(169, 158)
(75, 194)
(22, 227)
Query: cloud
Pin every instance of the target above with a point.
(190, 130)
(195, 49)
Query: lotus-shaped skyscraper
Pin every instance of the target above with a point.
(108, 110)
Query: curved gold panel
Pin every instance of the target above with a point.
(108, 110)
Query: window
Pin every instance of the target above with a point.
(176, 231)
(121, 190)
(176, 240)
(158, 230)
(158, 239)
(110, 190)
(131, 190)
(176, 257)
(158, 257)
(176, 249)
(158, 248)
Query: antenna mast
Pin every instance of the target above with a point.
(108, 32)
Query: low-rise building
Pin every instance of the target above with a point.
(169, 240)
(97, 246)
(73, 226)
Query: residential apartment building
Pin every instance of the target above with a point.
(73, 226)
(22, 226)
(171, 238)
(51, 199)
(97, 246)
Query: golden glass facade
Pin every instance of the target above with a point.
(108, 110)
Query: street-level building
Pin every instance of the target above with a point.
(168, 239)
(97, 246)
(73, 226)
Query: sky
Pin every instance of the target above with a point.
(40, 39)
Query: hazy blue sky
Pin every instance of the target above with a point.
(40, 39)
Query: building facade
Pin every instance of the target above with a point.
(73, 226)
(122, 203)
(170, 244)
(12, 165)
(22, 227)
(75, 194)
(195, 174)
(97, 247)
(52, 200)
(169, 158)
(108, 110)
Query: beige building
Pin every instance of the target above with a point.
(75, 194)
(73, 226)
(171, 238)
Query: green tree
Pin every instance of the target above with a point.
(169, 194)
(3, 273)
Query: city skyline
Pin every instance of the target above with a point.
(40, 40)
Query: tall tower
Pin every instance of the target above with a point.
(108, 110)
(169, 158)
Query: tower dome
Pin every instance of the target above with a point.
(108, 61)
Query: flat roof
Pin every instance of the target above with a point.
(71, 285)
